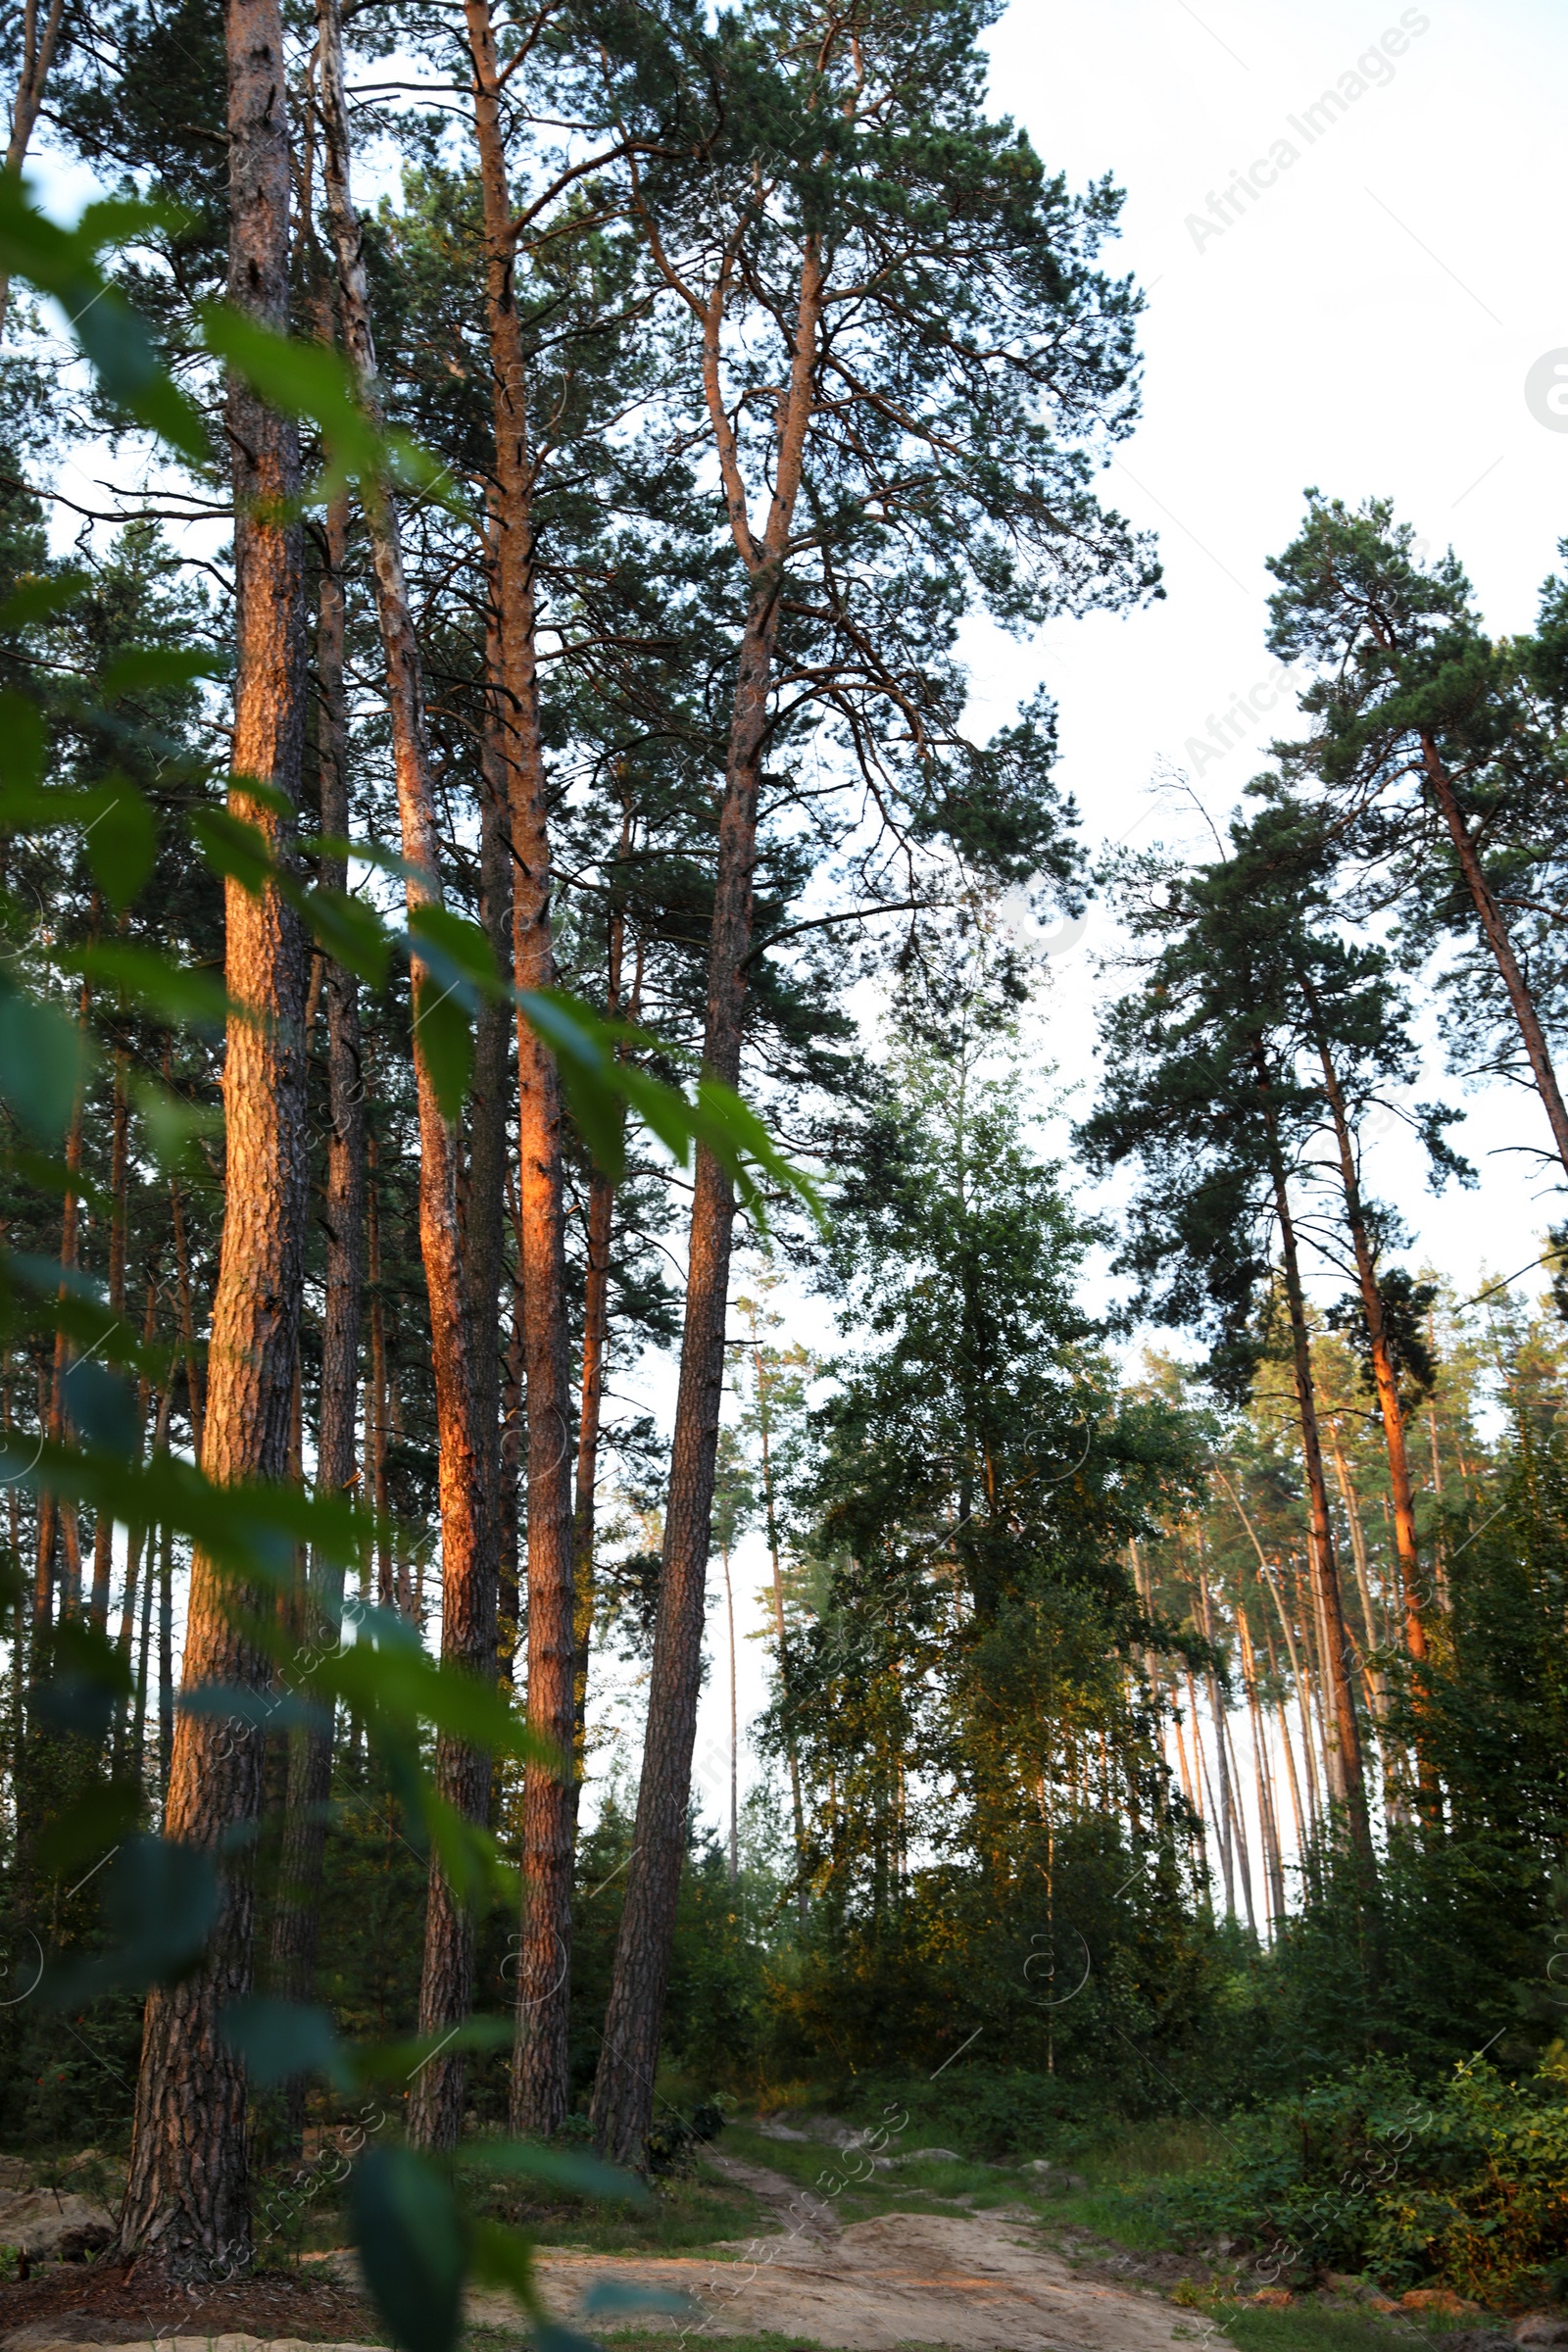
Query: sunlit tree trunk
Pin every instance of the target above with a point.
(539, 2083)
(187, 2189)
(466, 1463)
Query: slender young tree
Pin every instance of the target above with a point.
(777, 1386)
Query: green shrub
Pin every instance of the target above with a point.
(1466, 2189)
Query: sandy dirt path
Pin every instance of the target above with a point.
(983, 2283)
(980, 2285)
(977, 2286)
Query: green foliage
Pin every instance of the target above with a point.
(1466, 2187)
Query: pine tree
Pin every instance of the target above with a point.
(1204, 1093)
(1426, 754)
(860, 521)
(187, 2188)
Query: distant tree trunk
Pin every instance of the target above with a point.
(1266, 1579)
(508, 1625)
(464, 1462)
(296, 1921)
(1303, 1701)
(165, 1664)
(780, 1630)
(1440, 1574)
(377, 1402)
(194, 1381)
(1207, 1811)
(187, 2192)
(1217, 1709)
(595, 1342)
(734, 1727)
(50, 1514)
(138, 1733)
(1391, 1412)
(1192, 1793)
(140, 1543)
(1268, 1815)
(1233, 1799)
(1347, 1777)
(102, 1533)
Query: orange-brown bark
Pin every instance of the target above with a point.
(467, 1515)
(187, 2192)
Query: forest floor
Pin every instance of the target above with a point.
(790, 2236)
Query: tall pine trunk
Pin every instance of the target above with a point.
(296, 1922)
(466, 1504)
(623, 2089)
(539, 2081)
(186, 2197)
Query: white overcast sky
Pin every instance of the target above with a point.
(1366, 326)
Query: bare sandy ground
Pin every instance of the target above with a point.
(977, 2286)
(984, 2283)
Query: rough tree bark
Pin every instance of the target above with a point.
(186, 2200)
(295, 1922)
(466, 1504)
(539, 2084)
(623, 2091)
